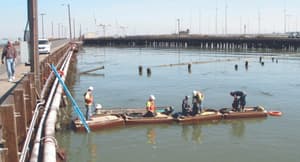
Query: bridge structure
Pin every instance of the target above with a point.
(226, 42)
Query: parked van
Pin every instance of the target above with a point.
(44, 46)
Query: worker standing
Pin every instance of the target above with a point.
(150, 107)
(198, 98)
(89, 100)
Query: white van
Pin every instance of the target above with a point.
(44, 46)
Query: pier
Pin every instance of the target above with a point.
(25, 128)
(226, 42)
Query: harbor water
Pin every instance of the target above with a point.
(275, 86)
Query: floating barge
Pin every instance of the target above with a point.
(205, 116)
(249, 112)
(100, 121)
(119, 117)
(134, 118)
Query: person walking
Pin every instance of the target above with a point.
(89, 100)
(10, 55)
(150, 107)
(241, 98)
(186, 108)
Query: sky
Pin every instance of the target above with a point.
(140, 17)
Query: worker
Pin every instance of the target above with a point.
(186, 108)
(89, 101)
(241, 95)
(150, 107)
(198, 98)
(235, 103)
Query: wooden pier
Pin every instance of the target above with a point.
(22, 106)
(201, 41)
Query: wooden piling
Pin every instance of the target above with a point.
(20, 109)
(7, 115)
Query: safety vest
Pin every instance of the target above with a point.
(200, 96)
(88, 98)
(150, 106)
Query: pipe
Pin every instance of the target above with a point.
(50, 145)
(30, 131)
(36, 146)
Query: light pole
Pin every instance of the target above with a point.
(42, 15)
(69, 15)
(104, 28)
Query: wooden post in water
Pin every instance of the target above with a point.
(148, 72)
(140, 70)
(7, 115)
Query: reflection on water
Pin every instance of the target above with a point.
(238, 128)
(195, 133)
(92, 147)
(151, 135)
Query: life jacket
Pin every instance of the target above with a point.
(150, 106)
(200, 96)
(88, 98)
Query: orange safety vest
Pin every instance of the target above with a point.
(150, 106)
(88, 98)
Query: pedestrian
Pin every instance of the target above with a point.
(10, 55)
(89, 100)
(198, 98)
(186, 108)
(150, 107)
(241, 98)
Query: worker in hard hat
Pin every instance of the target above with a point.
(198, 98)
(150, 107)
(89, 101)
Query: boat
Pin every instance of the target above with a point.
(207, 115)
(137, 118)
(249, 112)
(100, 121)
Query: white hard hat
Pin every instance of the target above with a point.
(91, 88)
(98, 106)
(152, 97)
(194, 93)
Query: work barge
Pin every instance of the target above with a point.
(28, 113)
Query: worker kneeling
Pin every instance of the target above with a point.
(150, 107)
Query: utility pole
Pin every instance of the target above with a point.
(258, 21)
(43, 33)
(216, 23)
(74, 29)
(69, 13)
(178, 26)
(226, 17)
(33, 42)
(52, 30)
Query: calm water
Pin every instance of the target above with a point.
(276, 86)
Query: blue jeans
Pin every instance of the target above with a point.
(10, 67)
(88, 113)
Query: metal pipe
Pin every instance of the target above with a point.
(50, 145)
(30, 131)
(36, 146)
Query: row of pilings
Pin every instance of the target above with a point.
(208, 42)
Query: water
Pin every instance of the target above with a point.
(276, 86)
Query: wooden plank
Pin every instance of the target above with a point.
(9, 131)
(20, 109)
(26, 86)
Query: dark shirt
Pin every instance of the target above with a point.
(9, 52)
(239, 93)
(185, 105)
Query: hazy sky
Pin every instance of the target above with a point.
(153, 16)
